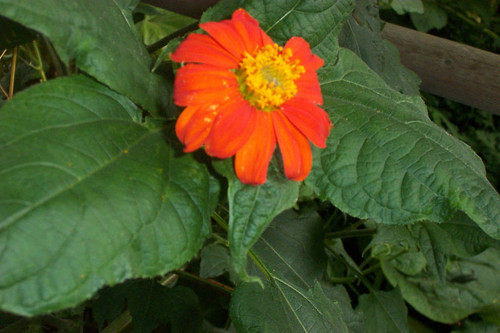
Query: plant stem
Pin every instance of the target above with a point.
(220, 239)
(259, 264)
(220, 221)
(119, 324)
(12, 74)
(212, 283)
(39, 66)
(351, 233)
(342, 280)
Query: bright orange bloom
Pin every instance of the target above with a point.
(243, 94)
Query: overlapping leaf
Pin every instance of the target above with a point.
(89, 196)
(361, 34)
(99, 35)
(387, 161)
(292, 260)
(252, 208)
(458, 274)
(384, 311)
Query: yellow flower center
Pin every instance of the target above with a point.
(266, 79)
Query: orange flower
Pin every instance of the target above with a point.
(243, 94)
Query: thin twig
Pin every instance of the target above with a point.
(4, 92)
(12, 74)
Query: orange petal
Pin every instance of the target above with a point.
(232, 128)
(308, 88)
(204, 84)
(252, 160)
(295, 149)
(203, 49)
(309, 119)
(248, 28)
(227, 36)
(194, 125)
(302, 51)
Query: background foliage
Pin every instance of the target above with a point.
(106, 225)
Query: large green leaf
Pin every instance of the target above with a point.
(101, 39)
(361, 34)
(290, 256)
(384, 311)
(89, 196)
(283, 307)
(387, 161)
(292, 248)
(459, 256)
(252, 208)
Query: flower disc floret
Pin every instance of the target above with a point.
(266, 79)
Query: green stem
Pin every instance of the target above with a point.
(220, 221)
(221, 287)
(342, 280)
(356, 272)
(119, 324)
(259, 264)
(38, 58)
(220, 239)
(351, 233)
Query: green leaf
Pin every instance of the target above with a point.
(89, 196)
(387, 161)
(291, 258)
(470, 283)
(384, 311)
(433, 17)
(158, 23)
(252, 208)
(361, 34)
(283, 307)
(150, 304)
(101, 39)
(407, 6)
(292, 248)
(215, 261)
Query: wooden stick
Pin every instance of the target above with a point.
(455, 71)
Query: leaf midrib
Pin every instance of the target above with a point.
(18, 215)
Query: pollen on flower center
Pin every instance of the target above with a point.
(266, 79)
